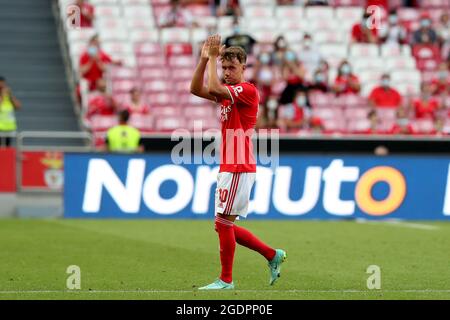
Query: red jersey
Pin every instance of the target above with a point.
(425, 109)
(94, 73)
(86, 10)
(238, 118)
(385, 98)
(359, 36)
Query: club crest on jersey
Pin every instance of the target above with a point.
(224, 111)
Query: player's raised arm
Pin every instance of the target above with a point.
(197, 87)
(215, 88)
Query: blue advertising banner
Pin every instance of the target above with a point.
(300, 187)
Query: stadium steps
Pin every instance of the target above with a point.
(32, 62)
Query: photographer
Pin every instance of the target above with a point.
(8, 104)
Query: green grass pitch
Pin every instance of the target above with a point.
(169, 259)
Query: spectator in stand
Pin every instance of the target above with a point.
(93, 63)
(425, 34)
(136, 105)
(176, 16)
(8, 104)
(280, 46)
(402, 124)
(319, 82)
(293, 73)
(316, 125)
(240, 39)
(101, 102)
(346, 82)
(123, 137)
(393, 32)
(363, 32)
(293, 115)
(309, 56)
(86, 13)
(226, 8)
(443, 31)
(425, 106)
(374, 123)
(263, 76)
(441, 84)
(385, 96)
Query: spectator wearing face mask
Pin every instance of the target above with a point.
(346, 82)
(101, 102)
(309, 56)
(93, 63)
(293, 73)
(263, 76)
(280, 46)
(319, 82)
(239, 39)
(136, 105)
(425, 106)
(441, 84)
(364, 31)
(425, 34)
(293, 115)
(393, 32)
(385, 96)
(402, 124)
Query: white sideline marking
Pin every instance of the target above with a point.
(243, 291)
(399, 223)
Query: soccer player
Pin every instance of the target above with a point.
(238, 102)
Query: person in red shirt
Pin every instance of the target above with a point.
(425, 106)
(93, 62)
(441, 84)
(86, 13)
(346, 82)
(364, 32)
(402, 124)
(239, 102)
(136, 105)
(101, 102)
(384, 96)
(293, 116)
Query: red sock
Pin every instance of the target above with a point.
(227, 242)
(247, 239)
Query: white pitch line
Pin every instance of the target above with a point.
(399, 223)
(243, 291)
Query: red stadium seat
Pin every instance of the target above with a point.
(176, 49)
(423, 126)
(356, 113)
(102, 123)
(155, 61)
(434, 4)
(122, 86)
(426, 51)
(318, 99)
(123, 73)
(358, 125)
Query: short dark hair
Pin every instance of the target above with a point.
(124, 115)
(234, 52)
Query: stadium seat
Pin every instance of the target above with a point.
(118, 34)
(349, 13)
(157, 86)
(112, 11)
(124, 73)
(150, 35)
(289, 13)
(169, 123)
(426, 51)
(423, 126)
(356, 113)
(154, 73)
(160, 99)
(358, 125)
(138, 12)
(319, 13)
(396, 63)
(176, 49)
(388, 50)
(148, 61)
(148, 49)
(175, 35)
(123, 86)
(364, 50)
(406, 76)
(386, 114)
(443, 4)
(258, 11)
